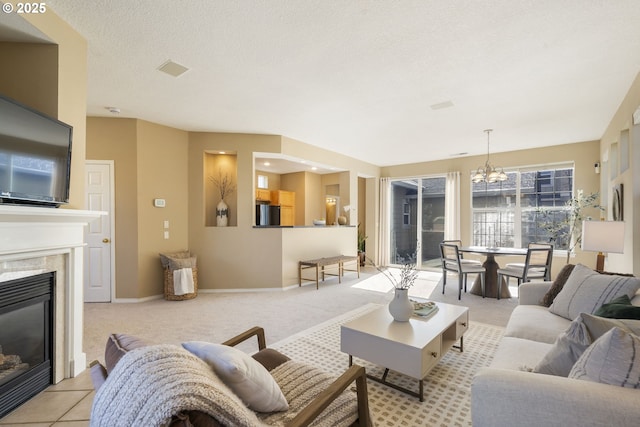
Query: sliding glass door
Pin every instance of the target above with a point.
(417, 221)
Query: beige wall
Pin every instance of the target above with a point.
(32, 77)
(296, 183)
(629, 261)
(584, 155)
(238, 256)
(150, 162)
(72, 92)
(52, 78)
(162, 164)
(116, 139)
(314, 202)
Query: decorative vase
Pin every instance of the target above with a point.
(342, 220)
(400, 307)
(222, 214)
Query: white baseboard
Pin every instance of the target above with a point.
(208, 291)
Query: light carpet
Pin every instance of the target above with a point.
(447, 387)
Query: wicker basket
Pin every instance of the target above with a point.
(169, 293)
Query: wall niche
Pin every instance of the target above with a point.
(220, 184)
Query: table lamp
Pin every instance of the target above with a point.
(602, 236)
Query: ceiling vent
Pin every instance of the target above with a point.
(173, 68)
(442, 105)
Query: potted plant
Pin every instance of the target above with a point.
(566, 225)
(361, 247)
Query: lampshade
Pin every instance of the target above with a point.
(603, 236)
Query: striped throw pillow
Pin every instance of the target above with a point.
(612, 359)
(586, 290)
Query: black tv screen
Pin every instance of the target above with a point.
(35, 156)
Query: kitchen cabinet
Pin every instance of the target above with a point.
(287, 202)
(263, 195)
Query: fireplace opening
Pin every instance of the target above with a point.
(26, 338)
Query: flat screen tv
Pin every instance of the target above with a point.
(35, 156)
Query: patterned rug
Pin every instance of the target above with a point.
(446, 388)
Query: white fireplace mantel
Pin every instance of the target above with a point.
(28, 233)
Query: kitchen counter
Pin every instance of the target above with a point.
(304, 226)
(291, 244)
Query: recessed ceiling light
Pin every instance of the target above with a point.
(442, 105)
(222, 152)
(267, 164)
(173, 68)
(314, 168)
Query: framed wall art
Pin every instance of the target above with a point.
(617, 203)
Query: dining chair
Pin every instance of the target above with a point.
(463, 260)
(537, 265)
(452, 261)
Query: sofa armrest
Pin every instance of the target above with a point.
(531, 293)
(323, 400)
(255, 331)
(501, 397)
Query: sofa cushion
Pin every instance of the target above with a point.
(518, 353)
(244, 375)
(270, 358)
(571, 344)
(535, 322)
(117, 346)
(586, 290)
(557, 286)
(612, 359)
(619, 308)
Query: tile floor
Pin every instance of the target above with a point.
(66, 404)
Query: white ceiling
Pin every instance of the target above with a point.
(362, 77)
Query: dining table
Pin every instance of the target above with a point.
(491, 266)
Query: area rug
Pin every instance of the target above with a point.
(446, 388)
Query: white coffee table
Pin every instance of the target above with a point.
(412, 348)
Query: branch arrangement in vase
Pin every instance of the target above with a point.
(225, 186)
(408, 273)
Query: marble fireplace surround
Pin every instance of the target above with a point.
(34, 240)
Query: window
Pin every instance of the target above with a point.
(406, 214)
(507, 213)
(417, 220)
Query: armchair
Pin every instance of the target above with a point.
(133, 370)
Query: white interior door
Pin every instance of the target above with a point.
(98, 252)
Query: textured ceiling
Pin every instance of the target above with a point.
(365, 78)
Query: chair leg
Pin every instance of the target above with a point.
(499, 285)
(482, 283)
(465, 283)
(460, 279)
(444, 280)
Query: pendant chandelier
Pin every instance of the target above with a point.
(489, 173)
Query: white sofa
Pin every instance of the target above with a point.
(506, 394)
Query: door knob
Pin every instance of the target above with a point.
(105, 240)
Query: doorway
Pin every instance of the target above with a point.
(417, 221)
(99, 251)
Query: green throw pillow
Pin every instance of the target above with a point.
(619, 308)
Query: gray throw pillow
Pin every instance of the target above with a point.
(612, 359)
(571, 344)
(586, 290)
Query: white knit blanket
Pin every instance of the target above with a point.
(151, 384)
(301, 383)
